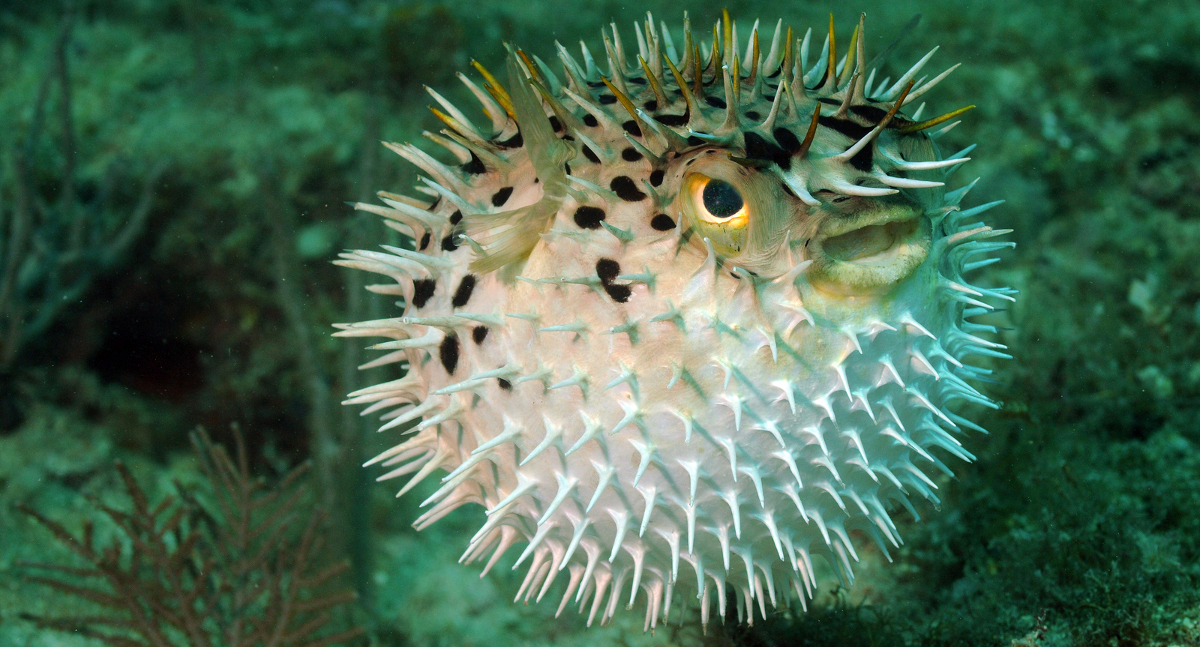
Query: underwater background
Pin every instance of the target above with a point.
(173, 180)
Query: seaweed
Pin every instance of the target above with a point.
(223, 568)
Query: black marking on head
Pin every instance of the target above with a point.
(448, 243)
(870, 113)
(845, 126)
(474, 167)
(631, 127)
(516, 141)
(716, 102)
(787, 139)
(606, 99)
(607, 269)
(672, 120)
(463, 294)
(693, 140)
(630, 154)
(758, 148)
(751, 114)
(589, 217)
(626, 189)
(556, 124)
(501, 196)
(456, 217)
(567, 167)
(448, 353)
(479, 333)
(662, 222)
(504, 384)
(590, 154)
(423, 291)
(568, 138)
(863, 159)
(686, 235)
(590, 120)
(650, 105)
(424, 242)
(656, 177)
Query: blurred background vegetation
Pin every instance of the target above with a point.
(173, 176)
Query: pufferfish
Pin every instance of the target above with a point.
(688, 324)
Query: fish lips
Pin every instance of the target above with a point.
(871, 251)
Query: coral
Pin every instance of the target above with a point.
(229, 571)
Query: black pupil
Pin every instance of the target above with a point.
(721, 199)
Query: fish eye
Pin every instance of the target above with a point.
(718, 211)
(720, 199)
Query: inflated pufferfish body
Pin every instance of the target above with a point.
(683, 323)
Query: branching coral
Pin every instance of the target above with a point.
(229, 573)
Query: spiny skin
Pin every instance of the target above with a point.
(657, 386)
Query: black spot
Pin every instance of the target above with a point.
(589, 217)
(501, 196)
(556, 124)
(595, 84)
(828, 101)
(607, 99)
(504, 384)
(423, 291)
(424, 241)
(516, 141)
(448, 243)
(448, 353)
(568, 138)
(626, 189)
(751, 114)
(456, 217)
(656, 178)
(637, 80)
(607, 269)
(618, 293)
(474, 167)
(590, 120)
(630, 155)
(662, 222)
(758, 148)
(479, 333)
(787, 139)
(650, 105)
(590, 154)
(671, 120)
(631, 127)
(715, 102)
(463, 294)
(845, 127)
(693, 140)
(567, 168)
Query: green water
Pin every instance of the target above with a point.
(173, 179)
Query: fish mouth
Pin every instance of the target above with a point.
(870, 251)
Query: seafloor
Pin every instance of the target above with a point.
(176, 172)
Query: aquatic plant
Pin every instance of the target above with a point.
(237, 566)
